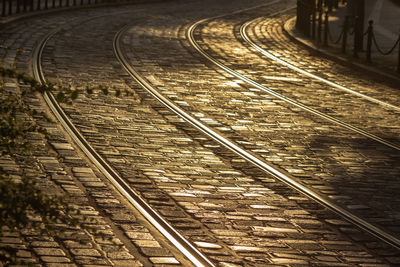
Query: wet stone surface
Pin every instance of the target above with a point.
(61, 169)
(334, 161)
(235, 214)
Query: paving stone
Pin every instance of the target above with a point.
(164, 260)
(171, 164)
(62, 146)
(289, 261)
(139, 235)
(120, 255)
(147, 243)
(155, 252)
(207, 245)
(49, 252)
(85, 252)
(50, 259)
(60, 265)
(133, 263)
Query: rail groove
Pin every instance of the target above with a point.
(243, 33)
(356, 220)
(248, 156)
(190, 36)
(184, 246)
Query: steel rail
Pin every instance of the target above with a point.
(184, 246)
(190, 36)
(249, 156)
(243, 33)
(350, 217)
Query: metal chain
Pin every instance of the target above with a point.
(331, 38)
(380, 50)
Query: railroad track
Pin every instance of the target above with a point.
(249, 156)
(379, 233)
(184, 246)
(257, 47)
(219, 64)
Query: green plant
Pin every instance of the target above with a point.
(21, 198)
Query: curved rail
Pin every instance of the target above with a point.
(186, 248)
(361, 223)
(190, 36)
(245, 37)
(249, 156)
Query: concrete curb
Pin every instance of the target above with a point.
(289, 29)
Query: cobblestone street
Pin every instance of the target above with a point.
(343, 146)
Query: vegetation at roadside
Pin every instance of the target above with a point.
(22, 203)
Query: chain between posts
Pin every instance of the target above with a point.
(310, 21)
(310, 16)
(371, 39)
(341, 35)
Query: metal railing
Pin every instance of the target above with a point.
(310, 15)
(348, 29)
(13, 7)
(313, 21)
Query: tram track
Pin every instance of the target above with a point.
(246, 38)
(249, 156)
(184, 246)
(142, 85)
(194, 43)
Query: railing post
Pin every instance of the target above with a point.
(89, 2)
(326, 29)
(10, 7)
(345, 31)
(38, 5)
(54, 4)
(319, 35)
(306, 20)
(74, 3)
(81, 2)
(356, 39)
(67, 4)
(336, 4)
(24, 5)
(309, 14)
(46, 4)
(330, 6)
(360, 13)
(31, 5)
(298, 14)
(3, 9)
(369, 40)
(313, 21)
(398, 59)
(17, 10)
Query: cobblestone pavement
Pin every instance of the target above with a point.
(234, 213)
(130, 239)
(332, 160)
